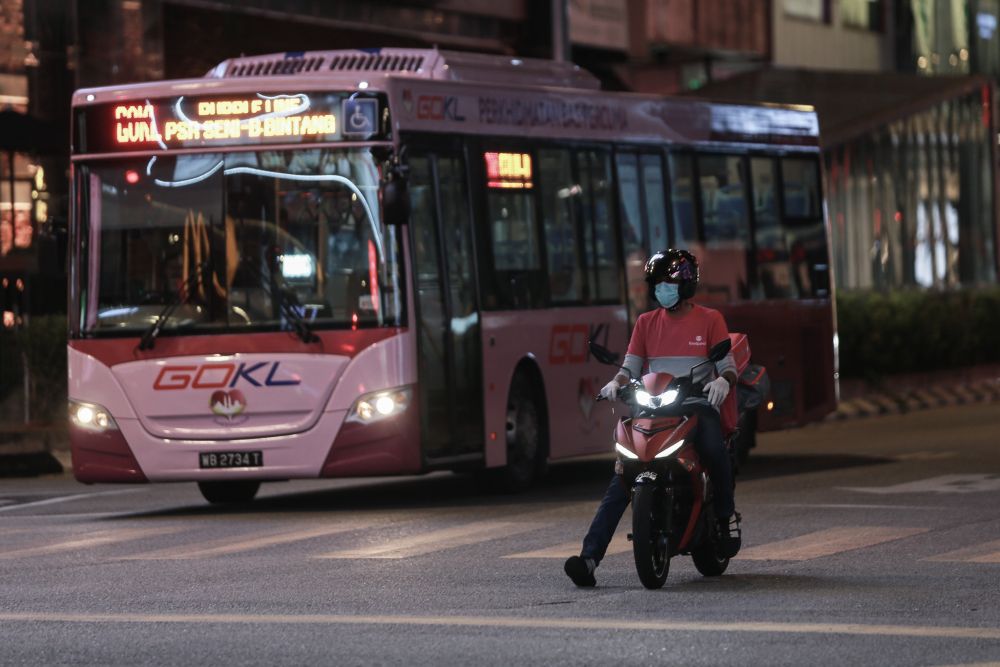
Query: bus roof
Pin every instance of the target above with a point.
(431, 90)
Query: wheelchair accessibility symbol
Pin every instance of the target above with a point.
(360, 117)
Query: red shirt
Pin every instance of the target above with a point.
(669, 344)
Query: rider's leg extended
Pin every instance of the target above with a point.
(581, 568)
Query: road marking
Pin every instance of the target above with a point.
(854, 506)
(97, 539)
(438, 540)
(827, 542)
(63, 499)
(988, 552)
(925, 456)
(619, 544)
(942, 484)
(224, 546)
(527, 623)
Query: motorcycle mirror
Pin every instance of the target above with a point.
(720, 350)
(603, 354)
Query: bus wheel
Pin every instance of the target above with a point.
(747, 438)
(525, 455)
(229, 493)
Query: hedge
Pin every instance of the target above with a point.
(43, 342)
(883, 333)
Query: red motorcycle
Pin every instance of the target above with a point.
(671, 491)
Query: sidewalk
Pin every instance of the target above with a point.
(30, 450)
(909, 400)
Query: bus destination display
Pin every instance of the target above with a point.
(197, 122)
(508, 170)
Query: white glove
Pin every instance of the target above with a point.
(717, 391)
(610, 390)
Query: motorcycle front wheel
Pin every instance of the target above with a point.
(650, 543)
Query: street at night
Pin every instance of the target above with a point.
(342, 333)
(871, 541)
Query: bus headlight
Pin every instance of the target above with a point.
(91, 417)
(380, 405)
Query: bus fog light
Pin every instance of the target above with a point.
(380, 405)
(91, 417)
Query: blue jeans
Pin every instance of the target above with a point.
(712, 450)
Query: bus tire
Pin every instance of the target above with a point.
(229, 492)
(747, 438)
(526, 456)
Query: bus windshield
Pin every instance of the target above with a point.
(232, 241)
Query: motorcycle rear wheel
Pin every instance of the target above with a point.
(650, 544)
(708, 561)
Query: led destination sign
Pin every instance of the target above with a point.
(508, 170)
(195, 122)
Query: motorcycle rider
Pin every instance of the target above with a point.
(671, 339)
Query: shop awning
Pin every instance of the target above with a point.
(849, 104)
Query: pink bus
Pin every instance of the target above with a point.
(350, 263)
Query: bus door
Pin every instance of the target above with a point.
(449, 367)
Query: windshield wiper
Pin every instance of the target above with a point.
(288, 303)
(149, 337)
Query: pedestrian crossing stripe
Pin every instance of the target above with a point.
(619, 544)
(827, 542)
(988, 552)
(90, 541)
(227, 546)
(438, 540)
(387, 544)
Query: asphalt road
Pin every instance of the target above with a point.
(868, 542)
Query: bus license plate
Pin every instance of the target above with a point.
(231, 459)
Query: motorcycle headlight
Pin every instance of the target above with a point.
(670, 450)
(91, 417)
(648, 400)
(625, 451)
(379, 405)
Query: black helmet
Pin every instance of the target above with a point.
(673, 266)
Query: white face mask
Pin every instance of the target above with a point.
(667, 294)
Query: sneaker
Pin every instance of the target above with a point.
(730, 536)
(581, 571)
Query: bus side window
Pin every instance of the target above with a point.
(773, 267)
(805, 233)
(598, 228)
(514, 240)
(682, 200)
(656, 209)
(630, 196)
(725, 273)
(562, 245)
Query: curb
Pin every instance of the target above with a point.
(30, 451)
(912, 400)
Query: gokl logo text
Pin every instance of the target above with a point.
(218, 376)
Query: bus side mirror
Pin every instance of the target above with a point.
(603, 354)
(395, 201)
